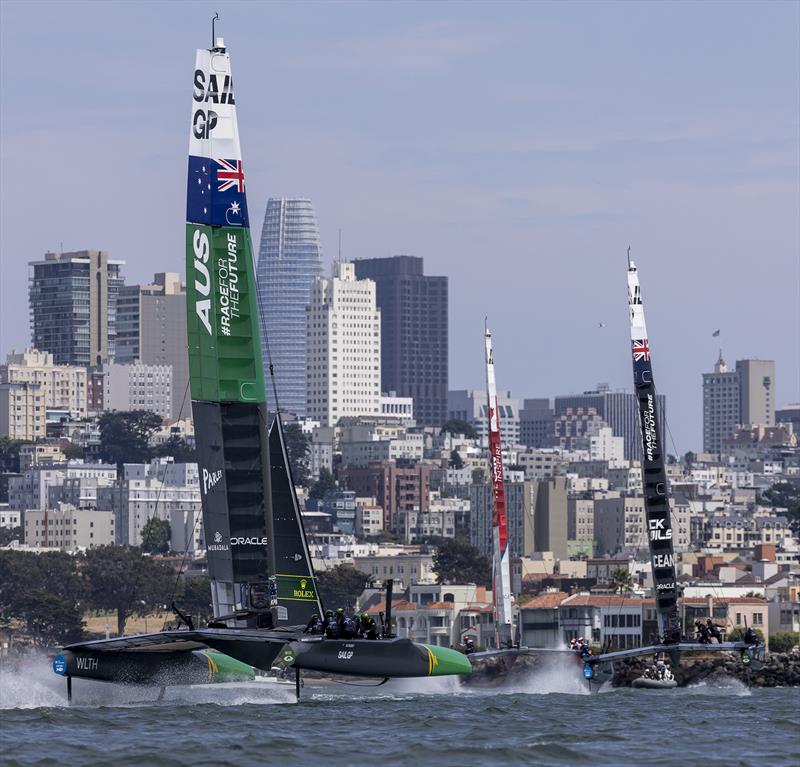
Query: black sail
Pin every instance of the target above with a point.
(654, 475)
(298, 597)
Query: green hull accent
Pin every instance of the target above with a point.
(222, 316)
(223, 668)
(445, 662)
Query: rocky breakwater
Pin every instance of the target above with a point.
(780, 670)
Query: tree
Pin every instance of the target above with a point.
(298, 447)
(323, 485)
(455, 460)
(737, 635)
(456, 426)
(121, 578)
(622, 580)
(783, 641)
(156, 536)
(8, 534)
(51, 619)
(72, 451)
(341, 586)
(178, 449)
(195, 598)
(460, 562)
(125, 437)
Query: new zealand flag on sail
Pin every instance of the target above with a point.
(215, 192)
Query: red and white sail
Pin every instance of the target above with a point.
(501, 573)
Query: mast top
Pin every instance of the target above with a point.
(217, 43)
(631, 265)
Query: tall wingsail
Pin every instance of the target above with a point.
(296, 582)
(654, 476)
(501, 575)
(226, 374)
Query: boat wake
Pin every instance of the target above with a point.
(715, 685)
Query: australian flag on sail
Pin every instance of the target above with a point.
(215, 192)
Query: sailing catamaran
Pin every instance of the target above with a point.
(264, 589)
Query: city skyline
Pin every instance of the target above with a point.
(537, 164)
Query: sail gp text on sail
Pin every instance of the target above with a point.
(649, 422)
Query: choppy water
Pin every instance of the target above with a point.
(546, 719)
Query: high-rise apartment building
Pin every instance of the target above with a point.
(472, 406)
(63, 387)
(414, 341)
(138, 386)
(742, 396)
(619, 410)
(289, 259)
(22, 411)
(73, 304)
(343, 337)
(151, 328)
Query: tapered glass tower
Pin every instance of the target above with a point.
(289, 258)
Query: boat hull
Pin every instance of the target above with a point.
(654, 684)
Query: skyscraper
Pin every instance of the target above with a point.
(73, 303)
(731, 398)
(619, 410)
(414, 343)
(344, 347)
(289, 258)
(151, 328)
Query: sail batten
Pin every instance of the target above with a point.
(654, 475)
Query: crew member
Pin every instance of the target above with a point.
(469, 646)
(314, 625)
(750, 636)
(331, 625)
(347, 627)
(368, 626)
(713, 631)
(702, 633)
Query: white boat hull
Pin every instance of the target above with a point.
(654, 684)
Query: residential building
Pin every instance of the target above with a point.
(397, 486)
(414, 332)
(520, 506)
(550, 516)
(395, 408)
(405, 568)
(744, 396)
(341, 506)
(289, 260)
(619, 410)
(620, 526)
(151, 328)
(139, 386)
(73, 302)
(40, 453)
(31, 489)
(64, 386)
(369, 518)
(536, 422)
(69, 529)
(471, 405)
(343, 376)
(22, 411)
(9, 519)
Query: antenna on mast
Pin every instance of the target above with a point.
(629, 256)
(214, 30)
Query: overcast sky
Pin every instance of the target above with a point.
(519, 148)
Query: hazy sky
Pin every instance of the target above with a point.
(519, 148)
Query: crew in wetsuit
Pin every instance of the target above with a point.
(713, 631)
(314, 625)
(347, 627)
(750, 636)
(702, 633)
(358, 632)
(368, 626)
(331, 625)
(469, 646)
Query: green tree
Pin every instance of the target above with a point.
(460, 562)
(456, 461)
(621, 580)
(298, 448)
(177, 448)
(456, 426)
(341, 586)
(51, 619)
(8, 534)
(737, 635)
(125, 437)
(323, 485)
(156, 536)
(783, 641)
(195, 598)
(72, 451)
(121, 578)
